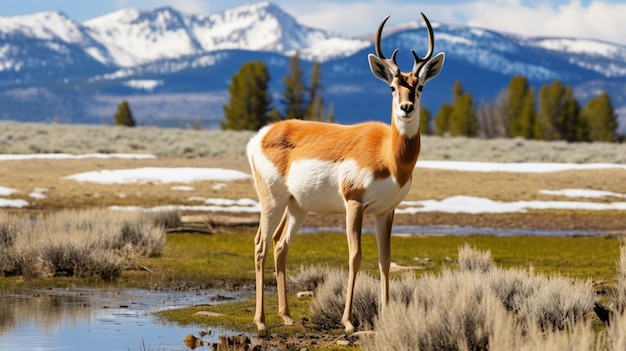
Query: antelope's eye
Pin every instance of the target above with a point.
(420, 88)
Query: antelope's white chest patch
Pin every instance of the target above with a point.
(319, 186)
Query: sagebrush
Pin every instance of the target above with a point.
(476, 306)
(81, 243)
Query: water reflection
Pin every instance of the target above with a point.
(95, 319)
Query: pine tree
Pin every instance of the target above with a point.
(425, 117)
(463, 120)
(124, 116)
(598, 116)
(249, 104)
(442, 120)
(315, 109)
(294, 97)
(558, 112)
(457, 90)
(521, 109)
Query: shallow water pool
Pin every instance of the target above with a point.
(97, 320)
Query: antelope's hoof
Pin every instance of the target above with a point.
(348, 326)
(287, 320)
(260, 325)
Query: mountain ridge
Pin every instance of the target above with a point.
(138, 54)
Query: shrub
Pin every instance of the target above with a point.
(473, 260)
(476, 307)
(448, 316)
(95, 242)
(309, 278)
(330, 297)
(11, 229)
(618, 294)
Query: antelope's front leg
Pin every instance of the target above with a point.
(354, 222)
(384, 223)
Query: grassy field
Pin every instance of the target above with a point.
(28, 138)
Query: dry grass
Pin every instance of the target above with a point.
(29, 138)
(475, 307)
(84, 243)
(25, 138)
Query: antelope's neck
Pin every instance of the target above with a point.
(406, 149)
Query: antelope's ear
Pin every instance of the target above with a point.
(432, 68)
(380, 69)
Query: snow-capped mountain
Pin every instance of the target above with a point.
(175, 65)
(134, 36)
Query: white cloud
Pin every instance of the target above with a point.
(596, 19)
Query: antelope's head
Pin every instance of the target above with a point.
(406, 88)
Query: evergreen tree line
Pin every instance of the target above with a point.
(517, 112)
(251, 105)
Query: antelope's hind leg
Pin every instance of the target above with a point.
(272, 211)
(290, 224)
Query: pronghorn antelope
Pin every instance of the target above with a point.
(302, 166)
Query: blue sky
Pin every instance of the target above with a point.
(603, 20)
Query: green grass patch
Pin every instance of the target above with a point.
(238, 315)
(227, 258)
(218, 257)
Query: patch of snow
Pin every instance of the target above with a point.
(529, 167)
(588, 193)
(44, 25)
(182, 188)
(144, 84)
(17, 157)
(219, 186)
(475, 205)
(241, 209)
(158, 175)
(17, 203)
(454, 204)
(229, 202)
(579, 46)
(38, 193)
(4, 191)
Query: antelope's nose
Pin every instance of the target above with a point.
(407, 107)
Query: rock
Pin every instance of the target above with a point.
(394, 267)
(192, 342)
(303, 294)
(221, 298)
(208, 314)
(343, 342)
